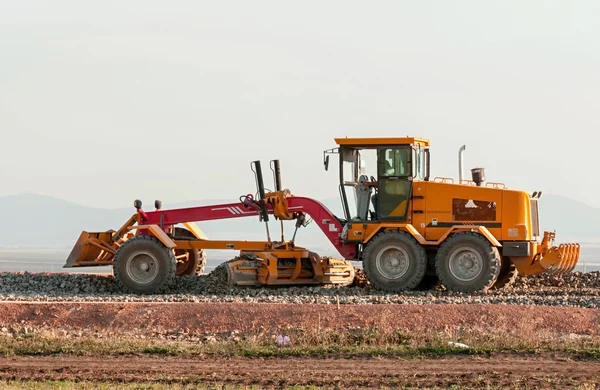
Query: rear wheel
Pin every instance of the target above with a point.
(189, 261)
(143, 265)
(508, 274)
(394, 261)
(467, 262)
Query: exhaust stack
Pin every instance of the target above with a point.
(461, 152)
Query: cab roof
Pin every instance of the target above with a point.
(374, 142)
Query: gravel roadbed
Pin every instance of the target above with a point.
(572, 290)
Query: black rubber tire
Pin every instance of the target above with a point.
(164, 257)
(201, 262)
(508, 274)
(416, 267)
(489, 254)
(196, 257)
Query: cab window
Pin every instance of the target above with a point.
(394, 162)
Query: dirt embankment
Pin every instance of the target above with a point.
(248, 317)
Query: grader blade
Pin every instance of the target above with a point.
(243, 271)
(92, 249)
(561, 259)
(265, 269)
(337, 271)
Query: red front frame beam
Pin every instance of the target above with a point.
(330, 226)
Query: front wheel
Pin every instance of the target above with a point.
(467, 262)
(189, 261)
(143, 265)
(394, 261)
(508, 274)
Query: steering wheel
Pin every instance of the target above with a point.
(374, 182)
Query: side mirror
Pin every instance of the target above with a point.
(327, 162)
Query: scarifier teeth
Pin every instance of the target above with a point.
(562, 259)
(570, 255)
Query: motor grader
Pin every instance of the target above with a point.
(401, 224)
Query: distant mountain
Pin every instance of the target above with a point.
(573, 220)
(36, 220)
(30, 220)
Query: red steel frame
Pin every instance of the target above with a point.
(330, 226)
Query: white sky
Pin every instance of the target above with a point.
(104, 102)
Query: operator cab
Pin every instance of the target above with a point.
(383, 195)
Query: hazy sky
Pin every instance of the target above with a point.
(104, 102)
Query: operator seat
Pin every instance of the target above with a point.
(363, 198)
(388, 169)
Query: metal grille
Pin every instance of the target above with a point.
(535, 220)
(473, 210)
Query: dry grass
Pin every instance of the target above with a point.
(529, 336)
(383, 339)
(310, 339)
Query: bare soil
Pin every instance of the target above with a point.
(503, 370)
(248, 317)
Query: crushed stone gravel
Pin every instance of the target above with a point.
(576, 289)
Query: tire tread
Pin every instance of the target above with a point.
(161, 249)
(413, 246)
(508, 274)
(199, 255)
(493, 257)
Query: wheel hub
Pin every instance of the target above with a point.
(392, 262)
(468, 263)
(465, 264)
(142, 267)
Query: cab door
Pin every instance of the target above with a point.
(394, 176)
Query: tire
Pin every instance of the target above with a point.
(508, 274)
(386, 276)
(189, 261)
(477, 251)
(201, 262)
(129, 269)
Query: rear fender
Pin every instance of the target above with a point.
(157, 232)
(196, 231)
(409, 228)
